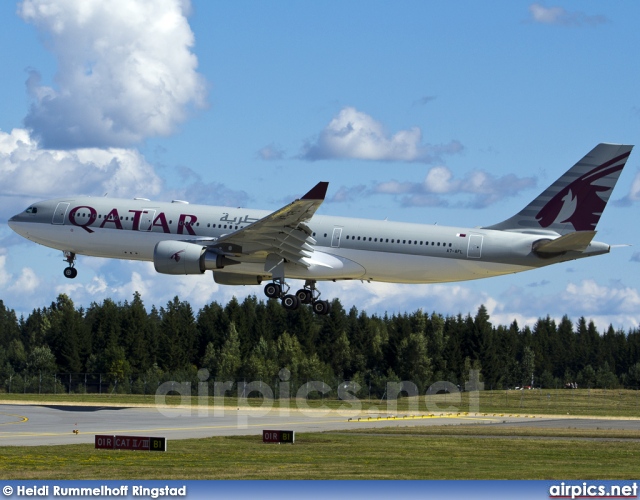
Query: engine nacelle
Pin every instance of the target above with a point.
(180, 257)
(223, 278)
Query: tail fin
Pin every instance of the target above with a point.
(576, 200)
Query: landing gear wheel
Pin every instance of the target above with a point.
(290, 302)
(321, 307)
(272, 290)
(305, 296)
(70, 272)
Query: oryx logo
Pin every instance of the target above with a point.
(176, 256)
(580, 202)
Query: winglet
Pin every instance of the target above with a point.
(318, 192)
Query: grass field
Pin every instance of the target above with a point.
(446, 452)
(408, 453)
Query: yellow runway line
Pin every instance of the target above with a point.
(22, 418)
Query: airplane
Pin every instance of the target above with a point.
(246, 247)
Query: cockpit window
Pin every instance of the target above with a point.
(32, 210)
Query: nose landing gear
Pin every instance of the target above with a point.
(70, 271)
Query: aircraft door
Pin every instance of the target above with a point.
(335, 238)
(474, 250)
(146, 219)
(60, 212)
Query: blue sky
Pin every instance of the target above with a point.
(461, 112)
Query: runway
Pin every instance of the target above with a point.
(36, 425)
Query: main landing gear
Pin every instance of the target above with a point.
(278, 289)
(70, 271)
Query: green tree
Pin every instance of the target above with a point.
(9, 328)
(67, 336)
(177, 347)
(528, 366)
(41, 359)
(587, 377)
(229, 360)
(136, 335)
(414, 363)
(261, 364)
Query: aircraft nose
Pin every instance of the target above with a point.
(14, 223)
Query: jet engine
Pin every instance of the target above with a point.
(180, 257)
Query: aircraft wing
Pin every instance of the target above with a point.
(283, 232)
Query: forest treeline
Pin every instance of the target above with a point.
(130, 346)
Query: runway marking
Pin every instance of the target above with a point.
(22, 418)
(415, 417)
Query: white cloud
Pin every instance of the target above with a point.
(26, 283)
(438, 180)
(18, 287)
(599, 299)
(395, 298)
(634, 192)
(615, 304)
(560, 16)
(271, 153)
(119, 280)
(125, 71)
(345, 194)
(5, 276)
(356, 135)
(27, 170)
(485, 188)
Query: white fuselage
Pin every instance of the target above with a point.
(345, 248)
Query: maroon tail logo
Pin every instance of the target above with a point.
(579, 202)
(176, 256)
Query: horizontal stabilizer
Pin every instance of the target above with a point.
(577, 241)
